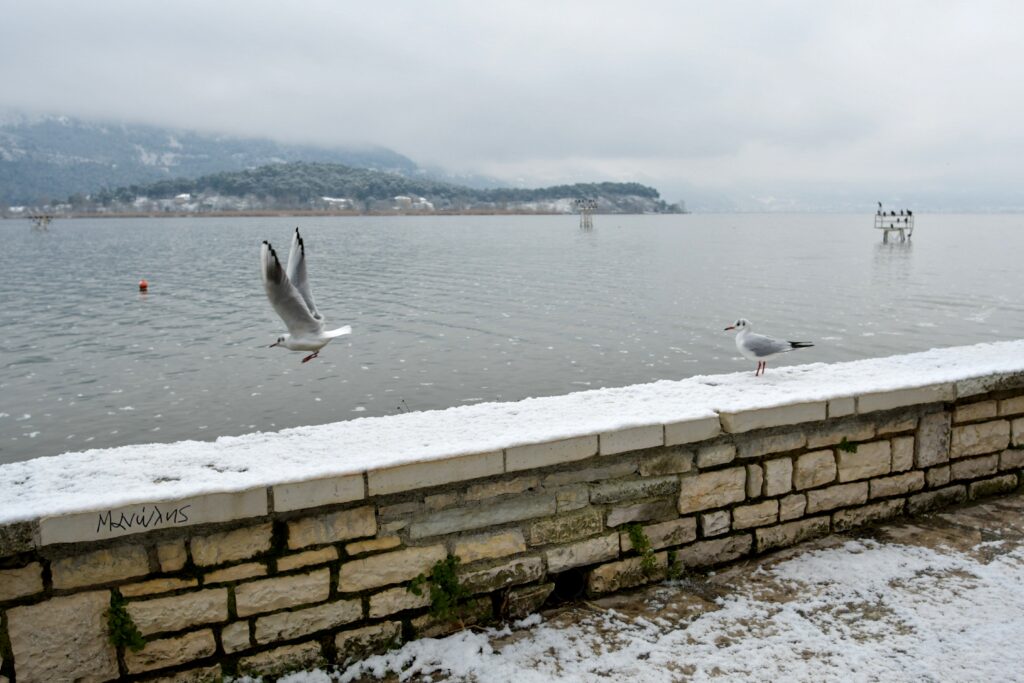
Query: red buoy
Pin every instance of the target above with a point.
(143, 285)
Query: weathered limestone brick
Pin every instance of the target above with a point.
(565, 528)
(396, 600)
(632, 489)
(869, 514)
(671, 460)
(665, 534)
(711, 456)
(569, 498)
(712, 489)
(308, 558)
(715, 523)
(605, 472)
(268, 595)
(973, 468)
(532, 456)
(971, 412)
(932, 442)
(527, 600)
(235, 636)
(511, 573)
(841, 407)
(231, 546)
(153, 586)
(796, 413)
(440, 501)
(778, 476)
(158, 654)
(937, 476)
(792, 507)
(62, 639)
(337, 526)
(896, 424)
(837, 496)
(387, 568)
(692, 431)
(869, 460)
(1011, 406)
(582, 553)
(1018, 432)
(888, 400)
(776, 443)
(1011, 459)
(991, 487)
(249, 570)
(464, 519)
(20, 582)
(202, 674)
(507, 487)
(489, 546)
(373, 545)
(755, 481)
(172, 556)
(902, 453)
(400, 510)
(814, 469)
(283, 659)
(100, 566)
(631, 439)
(352, 646)
(899, 485)
(179, 612)
(288, 625)
(716, 551)
(626, 573)
(832, 433)
(791, 533)
(641, 512)
(18, 537)
(748, 516)
(976, 439)
(939, 498)
(472, 613)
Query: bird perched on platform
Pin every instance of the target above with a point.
(758, 347)
(292, 300)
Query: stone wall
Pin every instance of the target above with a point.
(312, 573)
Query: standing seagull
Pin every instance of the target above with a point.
(290, 296)
(759, 347)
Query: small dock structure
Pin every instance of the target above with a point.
(896, 224)
(586, 208)
(40, 221)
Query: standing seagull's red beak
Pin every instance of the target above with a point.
(273, 345)
(731, 327)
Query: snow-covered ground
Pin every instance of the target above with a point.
(940, 600)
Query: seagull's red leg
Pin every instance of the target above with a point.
(311, 356)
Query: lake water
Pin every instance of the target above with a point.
(454, 310)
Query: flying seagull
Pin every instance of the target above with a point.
(290, 296)
(759, 347)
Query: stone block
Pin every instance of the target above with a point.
(510, 573)
(712, 456)
(792, 507)
(778, 476)
(841, 407)
(524, 601)
(755, 481)
(62, 639)
(761, 514)
(641, 512)
(471, 613)
(869, 460)
(437, 472)
(307, 559)
(1011, 406)
(18, 537)
(465, 519)
(235, 636)
(267, 595)
(791, 533)
(937, 476)
(887, 400)
(440, 501)
(902, 453)
(352, 646)
(616, 576)
(172, 556)
(387, 568)
(1017, 436)
(566, 528)
(666, 461)
(618, 468)
(239, 572)
(395, 600)
(895, 424)
(972, 412)
(715, 551)
(869, 514)
(755, 447)
(373, 545)
(992, 487)
(715, 523)
(288, 625)
(100, 566)
(633, 489)
(331, 528)
(837, 496)
(167, 652)
(833, 433)
(154, 586)
(665, 534)
(939, 498)
(282, 660)
(692, 431)
(972, 468)
(231, 546)
(590, 551)
(504, 487)
(178, 612)
(21, 582)
(551, 453)
(797, 413)
(814, 469)
(633, 439)
(1011, 459)
(202, 674)
(978, 439)
(712, 489)
(569, 498)
(490, 546)
(317, 492)
(932, 442)
(975, 386)
(899, 485)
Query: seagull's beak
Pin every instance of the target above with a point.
(273, 345)
(731, 327)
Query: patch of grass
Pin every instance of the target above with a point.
(121, 630)
(642, 544)
(446, 591)
(846, 446)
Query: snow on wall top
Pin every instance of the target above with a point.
(101, 478)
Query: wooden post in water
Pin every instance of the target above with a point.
(586, 208)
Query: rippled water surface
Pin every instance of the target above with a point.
(455, 310)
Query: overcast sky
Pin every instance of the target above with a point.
(761, 99)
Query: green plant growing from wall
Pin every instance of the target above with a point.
(846, 446)
(446, 591)
(121, 630)
(675, 566)
(642, 544)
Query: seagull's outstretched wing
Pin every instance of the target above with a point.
(297, 273)
(284, 297)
